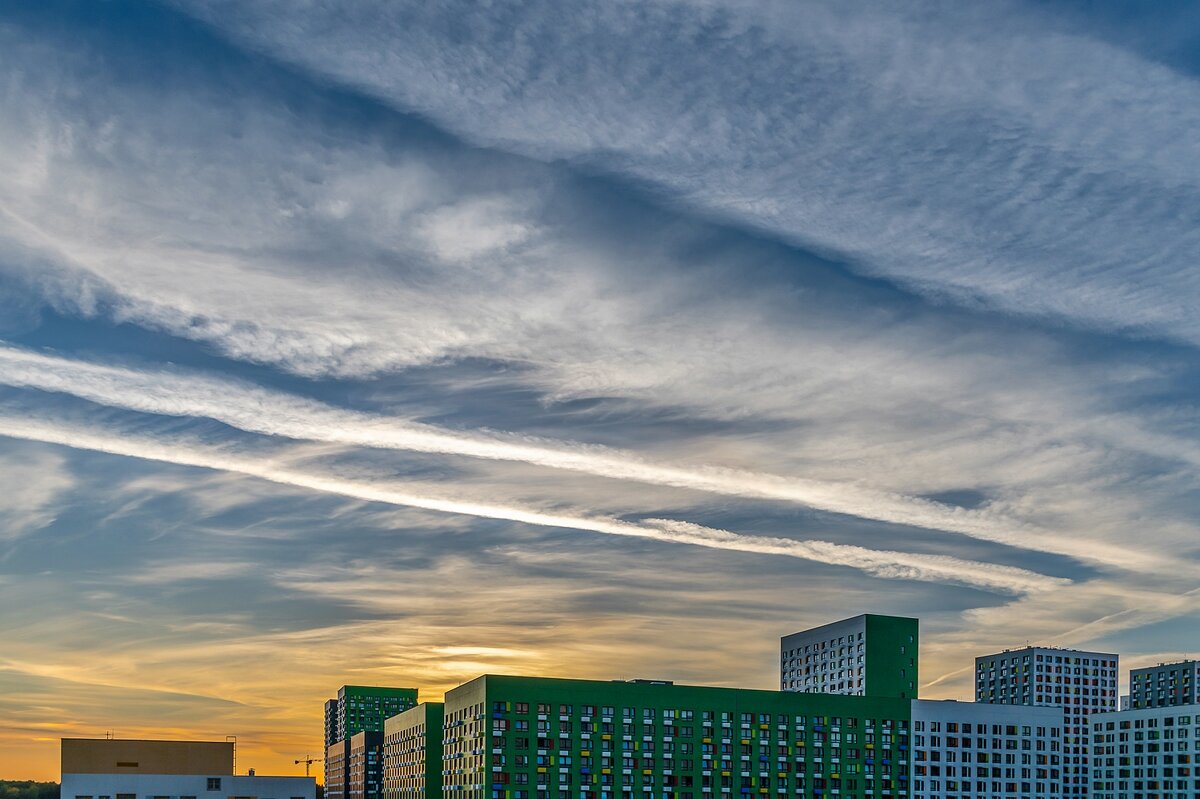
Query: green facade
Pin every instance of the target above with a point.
(363, 708)
(542, 738)
(893, 644)
(412, 748)
(358, 709)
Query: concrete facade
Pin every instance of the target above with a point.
(1078, 682)
(967, 750)
(1150, 753)
(412, 753)
(185, 786)
(1165, 685)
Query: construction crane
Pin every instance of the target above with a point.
(308, 761)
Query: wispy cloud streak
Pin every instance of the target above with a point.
(881, 563)
(258, 410)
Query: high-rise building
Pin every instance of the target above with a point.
(363, 708)
(1144, 753)
(99, 768)
(868, 655)
(1080, 683)
(337, 770)
(1165, 685)
(331, 722)
(412, 753)
(358, 708)
(967, 750)
(364, 767)
(541, 738)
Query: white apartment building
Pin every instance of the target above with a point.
(967, 750)
(1148, 753)
(1165, 685)
(1080, 683)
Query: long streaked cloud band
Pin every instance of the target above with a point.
(882, 563)
(259, 410)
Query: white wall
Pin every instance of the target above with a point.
(174, 786)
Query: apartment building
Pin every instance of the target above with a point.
(364, 767)
(337, 770)
(1147, 753)
(1080, 683)
(359, 709)
(867, 655)
(412, 753)
(1165, 685)
(541, 738)
(967, 750)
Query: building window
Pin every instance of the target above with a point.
(214, 783)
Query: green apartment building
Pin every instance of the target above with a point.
(363, 708)
(412, 753)
(354, 729)
(541, 738)
(867, 655)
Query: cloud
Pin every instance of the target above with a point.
(295, 248)
(274, 413)
(232, 244)
(876, 132)
(881, 563)
(35, 481)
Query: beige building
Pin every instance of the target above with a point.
(130, 756)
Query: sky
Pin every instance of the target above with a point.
(394, 343)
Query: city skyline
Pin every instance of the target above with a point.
(389, 343)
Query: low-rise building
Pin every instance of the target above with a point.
(104, 768)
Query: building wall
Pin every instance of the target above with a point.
(830, 659)
(365, 707)
(337, 763)
(892, 656)
(331, 722)
(412, 753)
(130, 756)
(364, 770)
(868, 655)
(1150, 753)
(1165, 685)
(185, 786)
(538, 738)
(1078, 682)
(967, 750)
